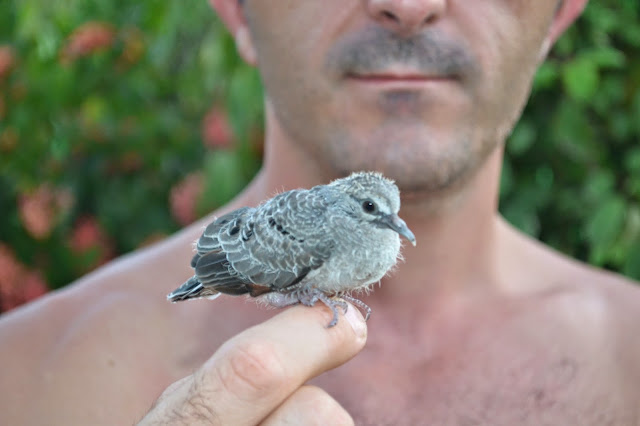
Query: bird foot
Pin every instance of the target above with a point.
(309, 296)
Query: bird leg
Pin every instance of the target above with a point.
(309, 296)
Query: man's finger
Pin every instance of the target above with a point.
(309, 405)
(254, 372)
(257, 370)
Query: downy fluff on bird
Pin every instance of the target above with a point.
(303, 246)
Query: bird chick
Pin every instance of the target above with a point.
(303, 246)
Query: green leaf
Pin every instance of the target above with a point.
(223, 180)
(606, 223)
(522, 138)
(605, 57)
(632, 161)
(598, 186)
(581, 78)
(632, 264)
(506, 178)
(546, 76)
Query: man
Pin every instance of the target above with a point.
(480, 325)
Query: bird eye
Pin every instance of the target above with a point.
(369, 206)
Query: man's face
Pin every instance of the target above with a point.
(422, 90)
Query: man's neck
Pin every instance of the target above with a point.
(456, 236)
(456, 233)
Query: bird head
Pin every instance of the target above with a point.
(375, 199)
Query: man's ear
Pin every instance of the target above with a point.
(568, 11)
(231, 13)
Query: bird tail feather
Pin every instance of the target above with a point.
(192, 289)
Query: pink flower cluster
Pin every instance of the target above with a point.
(184, 198)
(87, 234)
(7, 61)
(216, 129)
(18, 284)
(88, 38)
(95, 36)
(41, 209)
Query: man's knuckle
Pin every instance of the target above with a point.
(197, 405)
(251, 369)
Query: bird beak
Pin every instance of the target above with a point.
(394, 222)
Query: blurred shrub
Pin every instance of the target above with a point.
(122, 121)
(572, 173)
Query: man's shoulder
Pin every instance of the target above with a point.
(618, 292)
(621, 296)
(607, 305)
(621, 301)
(609, 299)
(553, 272)
(602, 302)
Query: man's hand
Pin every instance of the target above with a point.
(258, 376)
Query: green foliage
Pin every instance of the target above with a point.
(572, 172)
(139, 116)
(105, 101)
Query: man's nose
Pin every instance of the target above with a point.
(405, 17)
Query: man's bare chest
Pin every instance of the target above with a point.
(491, 378)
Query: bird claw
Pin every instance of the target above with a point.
(310, 296)
(333, 304)
(334, 308)
(358, 303)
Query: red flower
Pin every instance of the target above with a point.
(33, 286)
(7, 61)
(88, 38)
(88, 235)
(36, 212)
(216, 130)
(10, 270)
(41, 210)
(184, 198)
(18, 285)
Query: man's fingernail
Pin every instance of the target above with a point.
(354, 317)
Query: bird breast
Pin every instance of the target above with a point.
(359, 262)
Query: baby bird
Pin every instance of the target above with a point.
(303, 246)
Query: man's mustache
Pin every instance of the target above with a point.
(374, 50)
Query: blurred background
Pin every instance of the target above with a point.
(121, 122)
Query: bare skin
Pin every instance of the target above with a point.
(480, 325)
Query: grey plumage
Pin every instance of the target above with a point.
(302, 246)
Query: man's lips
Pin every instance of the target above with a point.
(398, 78)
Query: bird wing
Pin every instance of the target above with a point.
(281, 242)
(211, 266)
(208, 241)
